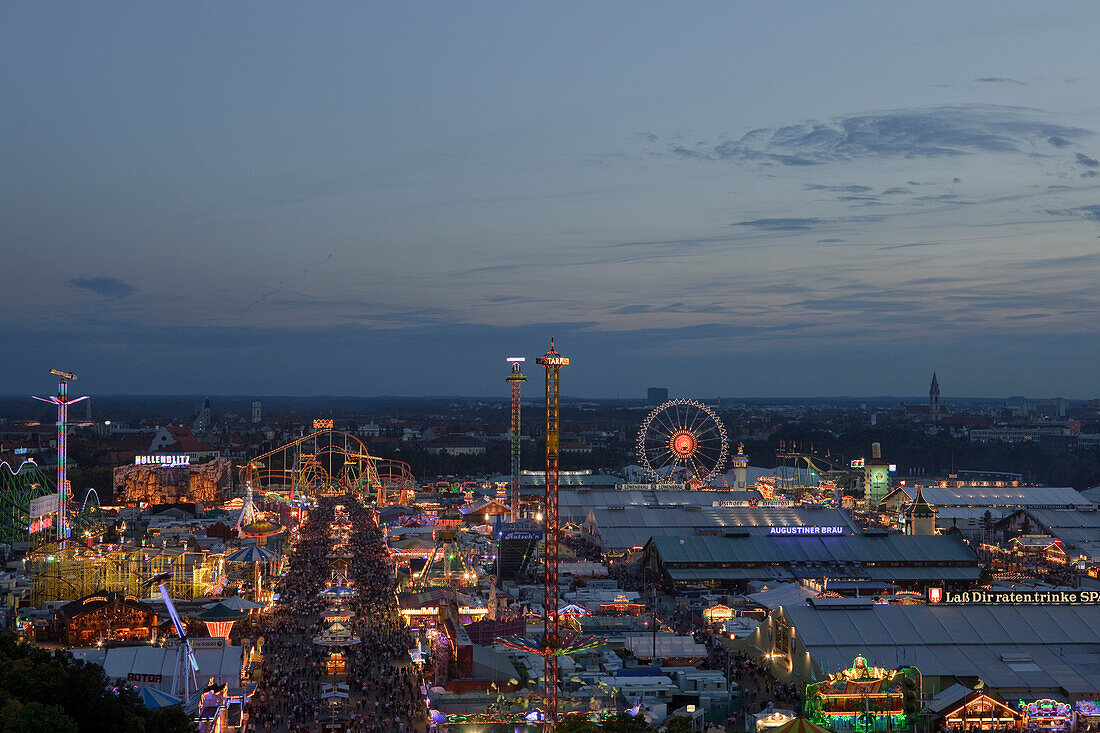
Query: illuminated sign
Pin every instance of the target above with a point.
(163, 461)
(893, 468)
(651, 487)
(517, 359)
(38, 525)
(141, 677)
(754, 503)
(553, 361)
(815, 530)
(44, 505)
(1021, 598)
(525, 535)
(935, 595)
(857, 463)
(322, 424)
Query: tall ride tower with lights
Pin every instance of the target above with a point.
(62, 400)
(516, 379)
(552, 361)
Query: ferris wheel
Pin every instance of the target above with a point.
(682, 437)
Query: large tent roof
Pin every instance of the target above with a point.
(1016, 647)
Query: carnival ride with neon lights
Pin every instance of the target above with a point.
(17, 488)
(798, 471)
(74, 571)
(62, 401)
(864, 698)
(682, 437)
(328, 462)
(446, 566)
(184, 683)
(89, 521)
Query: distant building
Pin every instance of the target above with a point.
(256, 412)
(1016, 434)
(455, 445)
(934, 397)
(202, 422)
(657, 396)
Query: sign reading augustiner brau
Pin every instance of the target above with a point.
(1022, 597)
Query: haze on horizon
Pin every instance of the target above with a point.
(389, 199)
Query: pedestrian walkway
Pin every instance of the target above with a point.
(344, 548)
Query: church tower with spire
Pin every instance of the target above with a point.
(934, 397)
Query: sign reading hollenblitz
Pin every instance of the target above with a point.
(1017, 597)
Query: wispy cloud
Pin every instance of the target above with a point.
(108, 287)
(841, 188)
(1087, 161)
(785, 224)
(1090, 213)
(999, 80)
(928, 132)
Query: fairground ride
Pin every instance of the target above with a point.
(800, 472)
(18, 487)
(89, 521)
(73, 571)
(682, 441)
(328, 462)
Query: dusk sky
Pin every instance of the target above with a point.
(368, 198)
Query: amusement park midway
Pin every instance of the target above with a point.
(275, 574)
(336, 651)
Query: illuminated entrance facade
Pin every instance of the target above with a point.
(979, 711)
(864, 697)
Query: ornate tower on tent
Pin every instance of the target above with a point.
(876, 477)
(551, 637)
(740, 468)
(920, 516)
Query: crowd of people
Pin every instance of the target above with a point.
(760, 689)
(338, 544)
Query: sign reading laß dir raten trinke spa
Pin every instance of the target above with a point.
(1015, 597)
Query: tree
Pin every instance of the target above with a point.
(575, 724)
(34, 717)
(624, 723)
(678, 724)
(52, 691)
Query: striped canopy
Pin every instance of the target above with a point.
(237, 604)
(251, 553)
(154, 698)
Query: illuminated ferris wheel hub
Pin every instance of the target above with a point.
(683, 444)
(682, 440)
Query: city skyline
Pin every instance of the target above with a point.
(773, 202)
